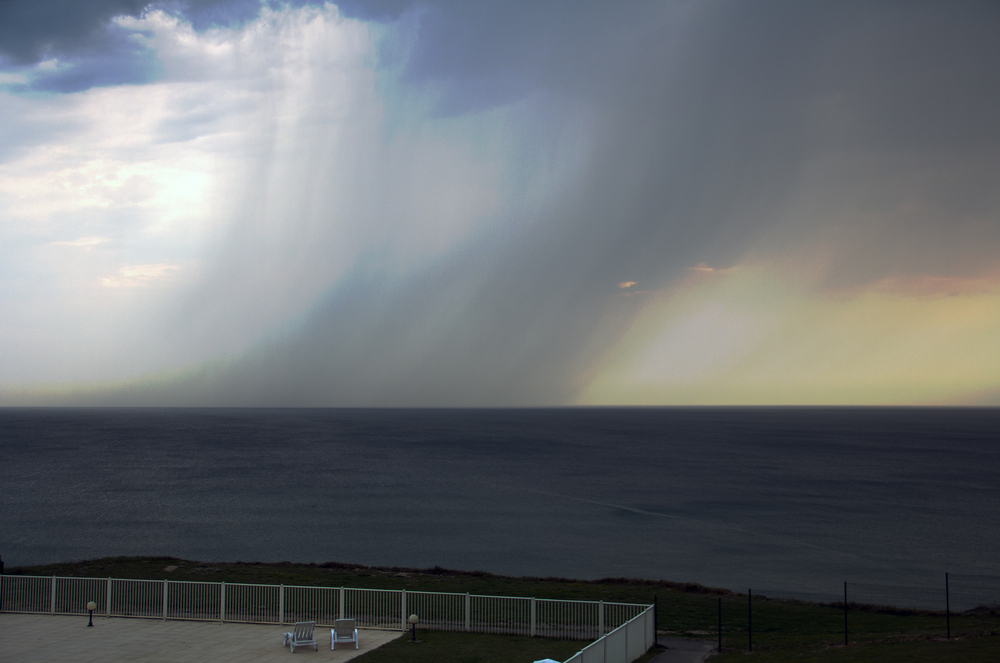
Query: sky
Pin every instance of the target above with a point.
(451, 204)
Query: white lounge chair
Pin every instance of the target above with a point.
(301, 635)
(343, 631)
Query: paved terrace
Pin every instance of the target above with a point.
(64, 638)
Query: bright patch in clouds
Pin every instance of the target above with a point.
(83, 242)
(758, 334)
(265, 165)
(137, 275)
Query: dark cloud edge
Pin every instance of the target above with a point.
(95, 52)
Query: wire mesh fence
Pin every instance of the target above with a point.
(774, 618)
(973, 604)
(872, 611)
(961, 606)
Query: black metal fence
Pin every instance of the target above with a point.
(961, 606)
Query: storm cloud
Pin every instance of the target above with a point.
(436, 203)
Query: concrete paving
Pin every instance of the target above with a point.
(684, 651)
(64, 639)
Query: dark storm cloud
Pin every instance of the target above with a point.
(32, 29)
(492, 53)
(708, 121)
(712, 111)
(205, 14)
(713, 149)
(29, 29)
(93, 51)
(118, 60)
(711, 122)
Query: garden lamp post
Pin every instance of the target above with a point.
(413, 624)
(91, 606)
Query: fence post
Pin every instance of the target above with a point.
(343, 602)
(222, 603)
(281, 604)
(164, 598)
(655, 609)
(947, 607)
(749, 620)
(403, 614)
(600, 619)
(720, 624)
(534, 615)
(107, 604)
(52, 607)
(468, 613)
(845, 613)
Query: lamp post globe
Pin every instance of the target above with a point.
(413, 619)
(91, 606)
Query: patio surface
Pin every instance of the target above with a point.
(64, 638)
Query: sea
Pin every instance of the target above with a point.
(800, 499)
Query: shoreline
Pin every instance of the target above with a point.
(165, 567)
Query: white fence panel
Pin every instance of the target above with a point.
(375, 608)
(622, 645)
(635, 637)
(593, 653)
(627, 628)
(439, 611)
(570, 620)
(193, 600)
(73, 594)
(616, 646)
(26, 593)
(501, 614)
(253, 604)
(136, 598)
(650, 617)
(616, 614)
(307, 604)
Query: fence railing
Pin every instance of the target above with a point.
(286, 604)
(960, 606)
(623, 644)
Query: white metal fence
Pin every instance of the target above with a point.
(622, 645)
(285, 604)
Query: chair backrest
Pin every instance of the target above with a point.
(344, 627)
(304, 630)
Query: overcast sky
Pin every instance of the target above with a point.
(447, 203)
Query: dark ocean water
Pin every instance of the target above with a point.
(799, 499)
